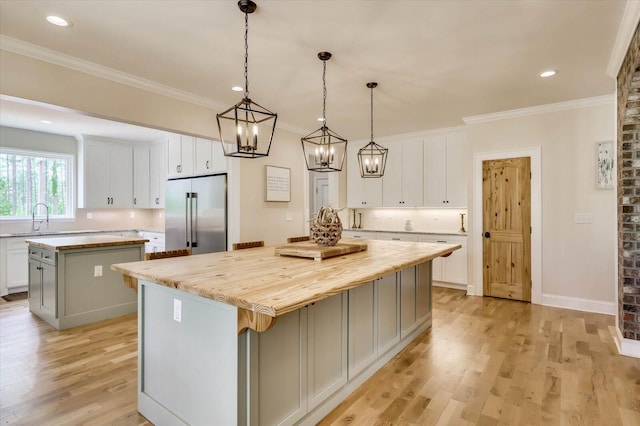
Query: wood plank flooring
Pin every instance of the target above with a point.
(485, 362)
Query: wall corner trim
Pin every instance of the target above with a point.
(627, 29)
(626, 347)
(541, 109)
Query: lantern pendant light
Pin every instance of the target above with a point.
(246, 129)
(372, 157)
(324, 150)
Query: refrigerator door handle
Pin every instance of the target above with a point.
(194, 214)
(186, 219)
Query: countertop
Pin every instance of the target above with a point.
(258, 280)
(49, 232)
(80, 242)
(460, 234)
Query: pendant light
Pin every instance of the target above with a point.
(372, 157)
(246, 129)
(324, 150)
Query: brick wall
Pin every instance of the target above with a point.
(628, 145)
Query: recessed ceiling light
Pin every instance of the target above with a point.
(46, 121)
(56, 20)
(237, 89)
(549, 73)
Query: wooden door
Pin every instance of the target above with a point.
(506, 193)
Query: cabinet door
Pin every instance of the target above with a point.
(392, 180)
(203, 157)
(407, 301)
(435, 184)
(174, 156)
(388, 313)
(362, 328)
(456, 170)
(355, 183)
(17, 267)
(49, 290)
(97, 170)
(158, 176)
(412, 168)
(187, 149)
(141, 178)
(218, 159)
(121, 176)
(35, 285)
(423, 290)
(327, 348)
(455, 266)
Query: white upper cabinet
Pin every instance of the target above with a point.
(141, 163)
(445, 176)
(209, 157)
(180, 154)
(106, 175)
(402, 181)
(361, 192)
(157, 175)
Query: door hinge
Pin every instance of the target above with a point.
(530, 230)
(529, 175)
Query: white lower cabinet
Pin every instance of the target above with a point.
(451, 269)
(16, 264)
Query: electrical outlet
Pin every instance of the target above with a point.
(97, 271)
(133, 215)
(89, 215)
(583, 218)
(177, 310)
(288, 217)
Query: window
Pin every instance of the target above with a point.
(28, 178)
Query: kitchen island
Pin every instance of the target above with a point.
(250, 337)
(70, 280)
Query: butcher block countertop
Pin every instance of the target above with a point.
(259, 281)
(81, 242)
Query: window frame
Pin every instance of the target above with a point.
(71, 182)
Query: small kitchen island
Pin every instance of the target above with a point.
(70, 280)
(249, 337)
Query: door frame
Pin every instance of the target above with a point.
(536, 218)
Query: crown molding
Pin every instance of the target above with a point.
(627, 29)
(541, 109)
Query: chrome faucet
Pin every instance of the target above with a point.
(33, 217)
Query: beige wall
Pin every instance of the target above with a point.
(577, 259)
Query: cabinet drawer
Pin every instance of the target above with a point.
(392, 236)
(43, 255)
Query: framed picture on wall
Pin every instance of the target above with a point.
(604, 174)
(278, 184)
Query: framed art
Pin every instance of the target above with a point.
(277, 184)
(604, 173)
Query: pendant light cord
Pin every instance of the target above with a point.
(246, 55)
(324, 93)
(372, 114)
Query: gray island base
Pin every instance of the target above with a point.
(335, 323)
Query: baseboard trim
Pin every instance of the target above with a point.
(576, 303)
(449, 285)
(626, 347)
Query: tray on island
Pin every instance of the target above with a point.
(313, 251)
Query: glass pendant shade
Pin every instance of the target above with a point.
(246, 129)
(324, 150)
(372, 158)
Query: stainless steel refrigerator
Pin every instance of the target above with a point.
(196, 214)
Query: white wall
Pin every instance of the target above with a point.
(576, 258)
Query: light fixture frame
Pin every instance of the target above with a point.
(372, 158)
(253, 125)
(322, 146)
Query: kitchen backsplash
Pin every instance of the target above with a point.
(99, 220)
(423, 220)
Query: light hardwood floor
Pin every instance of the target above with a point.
(486, 361)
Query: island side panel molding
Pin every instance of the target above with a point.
(188, 369)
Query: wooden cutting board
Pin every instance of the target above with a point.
(313, 251)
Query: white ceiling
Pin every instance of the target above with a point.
(435, 61)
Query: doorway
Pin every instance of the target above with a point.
(319, 192)
(476, 232)
(506, 218)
